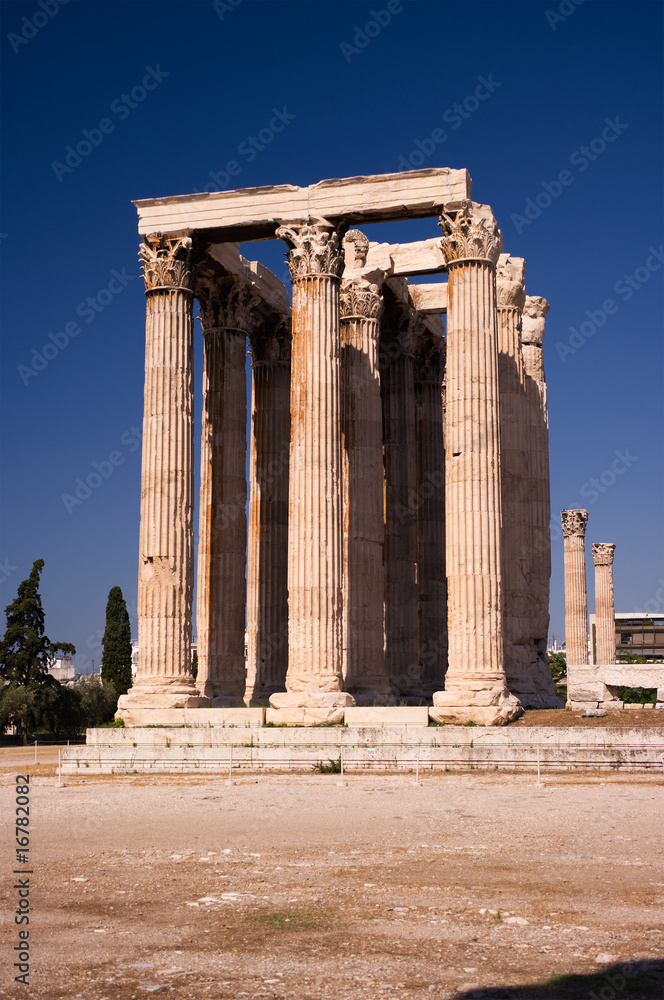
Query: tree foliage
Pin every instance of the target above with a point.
(116, 657)
(98, 701)
(558, 665)
(27, 690)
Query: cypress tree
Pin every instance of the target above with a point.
(116, 656)
(25, 652)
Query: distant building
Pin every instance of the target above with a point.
(636, 632)
(62, 668)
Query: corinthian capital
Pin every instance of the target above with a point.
(227, 303)
(356, 247)
(574, 522)
(429, 360)
(166, 262)
(603, 553)
(467, 237)
(314, 249)
(271, 343)
(360, 299)
(534, 312)
(510, 290)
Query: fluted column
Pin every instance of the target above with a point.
(315, 539)
(576, 598)
(166, 556)
(221, 594)
(475, 685)
(431, 581)
(605, 618)
(267, 549)
(397, 352)
(538, 562)
(364, 581)
(514, 433)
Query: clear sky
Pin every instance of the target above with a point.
(170, 92)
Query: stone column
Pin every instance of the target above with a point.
(475, 685)
(431, 580)
(267, 550)
(397, 352)
(524, 490)
(315, 538)
(516, 536)
(605, 618)
(364, 582)
(538, 562)
(221, 594)
(166, 554)
(576, 599)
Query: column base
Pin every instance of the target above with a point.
(487, 707)
(134, 707)
(311, 699)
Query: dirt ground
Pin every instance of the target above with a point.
(631, 718)
(294, 886)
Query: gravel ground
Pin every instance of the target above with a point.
(297, 886)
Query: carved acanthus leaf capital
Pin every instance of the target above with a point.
(314, 249)
(429, 361)
(603, 553)
(409, 332)
(166, 262)
(574, 522)
(510, 289)
(272, 343)
(360, 299)
(227, 303)
(534, 313)
(467, 238)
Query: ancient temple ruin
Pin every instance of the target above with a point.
(392, 543)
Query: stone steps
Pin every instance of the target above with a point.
(216, 749)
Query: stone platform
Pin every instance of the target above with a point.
(248, 747)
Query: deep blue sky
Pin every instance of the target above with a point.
(355, 113)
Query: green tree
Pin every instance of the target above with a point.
(116, 658)
(25, 652)
(59, 709)
(558, 665)
(194, 664)
(17, 708)
(99, 700)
